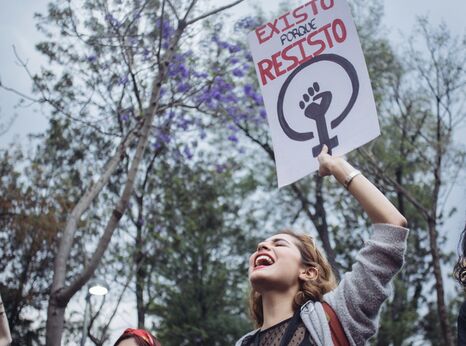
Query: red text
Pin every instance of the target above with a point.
(292, 18)
(302, 50)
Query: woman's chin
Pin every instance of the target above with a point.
(263, 279)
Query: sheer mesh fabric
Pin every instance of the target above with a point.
(273, 336)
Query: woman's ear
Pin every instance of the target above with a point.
(309, 274)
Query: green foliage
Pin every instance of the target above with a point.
(28, 230)
(199, 268)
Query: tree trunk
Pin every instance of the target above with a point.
(55, 322)
(322, 226)
(140, 277)
(441, 307)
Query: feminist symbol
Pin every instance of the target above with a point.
(317, 109)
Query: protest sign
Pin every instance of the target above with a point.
(315, 85)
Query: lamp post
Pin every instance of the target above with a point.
(95, 288)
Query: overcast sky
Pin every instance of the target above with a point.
(17, 28)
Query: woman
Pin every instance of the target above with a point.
(137, 337)
(293, 288)
(460, 275)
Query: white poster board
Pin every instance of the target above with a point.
(315, 85)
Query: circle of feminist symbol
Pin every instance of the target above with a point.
(317, 110)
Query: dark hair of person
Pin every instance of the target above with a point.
(460, 266)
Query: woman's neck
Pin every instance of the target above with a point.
(277, 307)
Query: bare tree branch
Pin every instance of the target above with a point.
(208, 14)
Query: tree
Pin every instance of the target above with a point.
(197, 270)
(84, 92)
(28, 230)
(424, 117)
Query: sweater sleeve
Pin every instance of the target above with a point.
(359, 296)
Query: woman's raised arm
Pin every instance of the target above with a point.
(375, 204)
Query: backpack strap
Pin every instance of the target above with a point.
(338, 335)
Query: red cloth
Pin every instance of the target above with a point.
(142, 334)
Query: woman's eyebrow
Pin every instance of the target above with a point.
(276, 240)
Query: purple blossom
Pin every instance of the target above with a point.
(248, 90)
(216, 94)
(247, 23)
(184, 123)
(230, 98)
(258, 98)
(112, 20)
(133, 41)
(178, 70)
(91, 58)
(234, 48)
(183, 87)
(219, 168)
(167, 28)
(156, 145)
(232, 111)
(123, 80)
(223, 45)
(200, 75)
(124, 117)
(234, 60)
(183, 71)
(187, 152)
(233, 138)
(263, 114)
(146, 54)
(238, 72)
(221, 84)
(163, 91)
(164, 137)
(203, 134)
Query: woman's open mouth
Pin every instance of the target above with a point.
(262, 261)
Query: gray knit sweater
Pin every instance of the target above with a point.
(359, 296)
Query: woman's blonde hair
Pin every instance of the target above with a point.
(313, 290)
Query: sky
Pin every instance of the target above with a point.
(17, 28)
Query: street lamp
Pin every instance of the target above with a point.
(95, 288)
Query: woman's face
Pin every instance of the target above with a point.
(276, 264)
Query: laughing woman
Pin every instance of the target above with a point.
(295, 300)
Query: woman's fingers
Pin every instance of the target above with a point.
(324, 159)
(324, 149)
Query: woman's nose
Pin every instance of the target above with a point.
(263, 246)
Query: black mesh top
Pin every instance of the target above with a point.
(272, 336)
